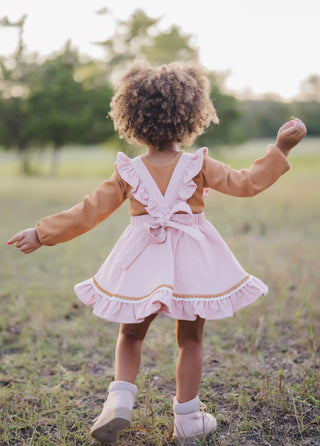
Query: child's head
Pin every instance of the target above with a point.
(156, 106)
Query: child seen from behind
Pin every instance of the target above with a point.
(170, 259)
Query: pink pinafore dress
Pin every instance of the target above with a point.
(169, 260)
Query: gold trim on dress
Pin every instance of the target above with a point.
(210, 296)
(127, 297)
(184, 296)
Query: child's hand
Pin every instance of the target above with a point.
(26, 241)
(290, 134)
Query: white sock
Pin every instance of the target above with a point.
(187, 407)
(123, 385)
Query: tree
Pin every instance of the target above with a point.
(63, 110)
(16, 71)
(139, 38)
(14, 129)
(92, 74)
(128, 41)
(171, 46)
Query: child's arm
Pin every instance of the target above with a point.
(69, 224)
(263, 172)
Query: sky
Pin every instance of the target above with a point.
(265, 47)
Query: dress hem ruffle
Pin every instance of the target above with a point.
(163, 300)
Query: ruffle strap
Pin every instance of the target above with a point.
(128, 173)
(188, 187)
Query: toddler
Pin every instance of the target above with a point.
(170, 259)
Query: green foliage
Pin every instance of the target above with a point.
(63, 109)
(262, 118)
(15, 130)
(128, 41)
(309, 112)
(139, 38)
(171, 46)
(14, 116)
(228, 131)
(138, 25)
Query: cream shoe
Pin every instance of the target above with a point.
(191, 423)
(116, 414)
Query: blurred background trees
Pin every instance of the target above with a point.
(64, 98)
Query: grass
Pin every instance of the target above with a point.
(261, 368)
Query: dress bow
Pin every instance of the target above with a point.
(155, 231)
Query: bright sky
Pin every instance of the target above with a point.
(266, 46)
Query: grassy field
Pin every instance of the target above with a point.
(261, 368)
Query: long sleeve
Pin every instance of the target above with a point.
(246, 182)
(84, 216)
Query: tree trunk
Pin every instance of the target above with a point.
(24, 155)
(55, 160)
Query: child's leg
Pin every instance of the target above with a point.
(128, 349)
(117, 410)
(191, 423)
(189, 365)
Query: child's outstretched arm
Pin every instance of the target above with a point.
(290, 134)
(26, 241)
(82, 217)
(263, 172)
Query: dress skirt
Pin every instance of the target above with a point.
(180, 267)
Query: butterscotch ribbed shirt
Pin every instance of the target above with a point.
(111, 193)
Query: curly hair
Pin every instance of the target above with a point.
(160, 105)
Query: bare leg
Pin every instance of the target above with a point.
(189, 364)
(128, 349)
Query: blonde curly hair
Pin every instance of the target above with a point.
(160, 105)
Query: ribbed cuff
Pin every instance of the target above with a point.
(123, 385)
(187, 407)
(281, 162)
